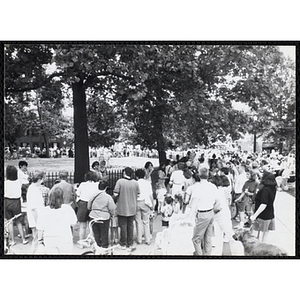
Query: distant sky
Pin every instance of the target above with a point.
(289, 51)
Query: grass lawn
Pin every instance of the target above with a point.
(65, 163)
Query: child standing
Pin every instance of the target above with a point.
(161, 189)
(167, 211)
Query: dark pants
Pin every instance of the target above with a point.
(127, 226)
(101, 233)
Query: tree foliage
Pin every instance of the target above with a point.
(167, 94)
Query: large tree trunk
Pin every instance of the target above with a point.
(46, 143)
(81, 134)
(44, 135)
(160, 139)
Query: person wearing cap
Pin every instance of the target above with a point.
(126, 192)
(69, 194)
(204, 204)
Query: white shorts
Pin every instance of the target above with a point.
(161, 194)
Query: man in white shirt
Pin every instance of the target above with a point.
(204, 204)
(238, 189)
(144, 207)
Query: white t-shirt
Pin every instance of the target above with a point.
(145, 191)
(177, 180)
(12, 188)
(56, 225)
(35, 201)
(239, 182)
(87, 190)
(205, 193)
(23, 177)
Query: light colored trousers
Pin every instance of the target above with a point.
(203, 232)
(142, 221)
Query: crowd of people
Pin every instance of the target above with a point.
(197, 188)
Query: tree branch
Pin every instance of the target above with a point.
(36, 85)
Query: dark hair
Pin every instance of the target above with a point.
(11, 173)
(63, 175)
(268, 179)
(147, 164)
(56, 198)
(225, 181)
(102, 185)
(22, 163)
(91, 176)
(216, 180)
(128, 171)
(168, 199)
(196, 177)
(225, 170)
(140, 173)
(94, 164)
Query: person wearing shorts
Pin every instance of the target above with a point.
(244, 201)
(12, 202)
(263, 216)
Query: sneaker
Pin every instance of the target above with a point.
(25, 242)
(121, 247)
(131, 248)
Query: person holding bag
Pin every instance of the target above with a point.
(102, 208)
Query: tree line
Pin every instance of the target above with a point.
(158, 95)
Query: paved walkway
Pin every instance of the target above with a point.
(283, 236)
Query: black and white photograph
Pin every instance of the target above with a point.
(136, 149)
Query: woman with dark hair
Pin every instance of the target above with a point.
(54, 225)
(86, 192)
(148, 170)
(12, 201)
(264, 206)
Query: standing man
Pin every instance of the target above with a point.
(204, 204)
(126, 193)
(238, 190)
(69, 194)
